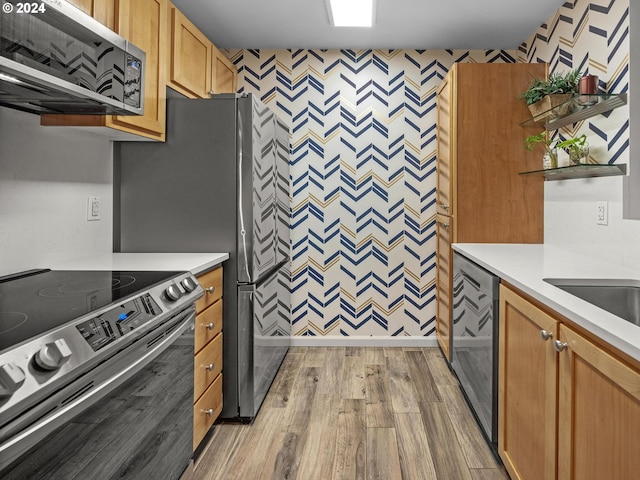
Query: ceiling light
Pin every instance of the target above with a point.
(351, 13)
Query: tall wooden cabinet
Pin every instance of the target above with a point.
(480, 195)
(568, 404)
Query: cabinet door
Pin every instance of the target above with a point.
(599, 413)
(150, 36)
(143, 23)
(445, 231)
(446, 146)
(224, 74)
(190, 66)
(527, 408)
(101, 10)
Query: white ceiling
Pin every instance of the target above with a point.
(400, 24)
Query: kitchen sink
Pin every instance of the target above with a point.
(619, 297)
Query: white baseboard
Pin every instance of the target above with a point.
(355, 341)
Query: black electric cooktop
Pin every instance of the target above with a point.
(40, 301)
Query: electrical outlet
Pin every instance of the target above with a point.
(602, 217)
(93, 208)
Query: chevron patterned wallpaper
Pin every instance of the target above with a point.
(363, 162)
(592, 36)
(362, 182)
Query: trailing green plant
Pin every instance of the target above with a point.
(557, 83)
(550, 157)
(576, 147)
(532, 140)
(572, 142)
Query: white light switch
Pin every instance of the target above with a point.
(93, 208)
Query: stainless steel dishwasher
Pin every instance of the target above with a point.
(474, 342)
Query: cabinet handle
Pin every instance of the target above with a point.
(210, 326)
(444, 206)
(210, 289)
(209, 367)
(211, 93)
(560, 346)
(444, 225)
(209, 412)
(546, 335)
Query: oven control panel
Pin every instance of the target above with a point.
(117, 322)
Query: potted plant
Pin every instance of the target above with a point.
(577, 148)
(543, 95)
(550, 157)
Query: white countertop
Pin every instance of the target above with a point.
(525, 267)
(180, 262)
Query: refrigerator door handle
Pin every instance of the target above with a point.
(243, 259)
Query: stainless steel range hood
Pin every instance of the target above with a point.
(57, 59)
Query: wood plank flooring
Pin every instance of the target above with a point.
(354, 414)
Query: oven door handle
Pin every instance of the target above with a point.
(111, 375)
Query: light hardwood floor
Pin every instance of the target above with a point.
(355, 413)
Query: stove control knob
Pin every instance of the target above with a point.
(189, 284)
(11, 378)
(52, 355)
(173, 293)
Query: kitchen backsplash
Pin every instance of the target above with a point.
(46, 175)
(594, 38)
(363, 127)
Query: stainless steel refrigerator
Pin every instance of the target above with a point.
(220, 183)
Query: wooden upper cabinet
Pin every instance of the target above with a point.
(102, 10)
(151, 37)
(190, 59)
(143, 23)
(224, 75)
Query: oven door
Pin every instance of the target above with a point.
(139, 426)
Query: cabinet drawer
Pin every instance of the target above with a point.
(206, 410)
(212, 284)
(207, 365)
(208, 325)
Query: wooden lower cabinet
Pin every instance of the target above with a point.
(527, 389)
(599, 413)
(212, 284)
(206, 410)
(207, 362)
(207, 366)
(569, 409)
(444, 229)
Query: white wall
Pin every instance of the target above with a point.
(46, 175)
(570, 220)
